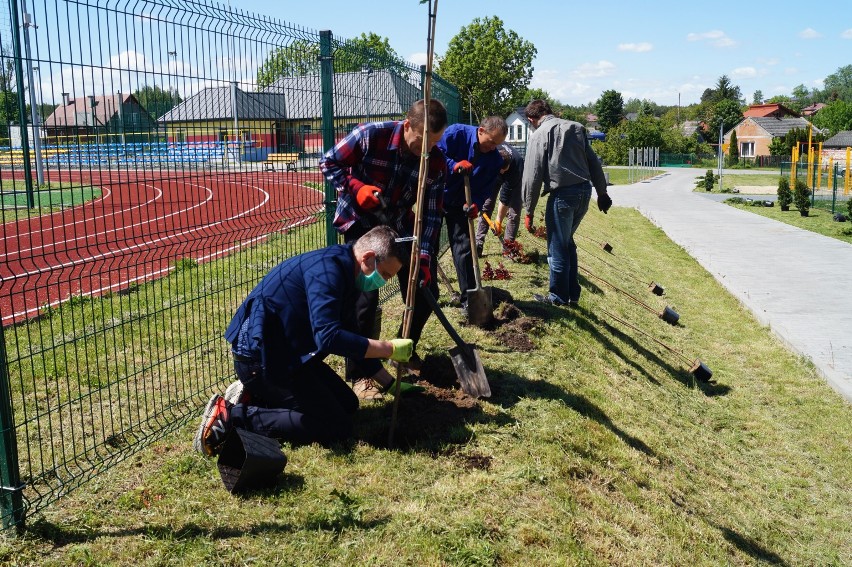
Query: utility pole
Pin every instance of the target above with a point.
(33, 106)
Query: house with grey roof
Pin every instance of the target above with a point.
(110, 118)
(755, 133)
(841, 140)
(369, 95)
(230, 115)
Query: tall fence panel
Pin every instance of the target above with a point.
(156, 160)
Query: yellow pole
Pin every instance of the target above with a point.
(818, 160)
(794, 159)
(846, 181)
(810, 157)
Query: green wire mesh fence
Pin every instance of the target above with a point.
(157, 158)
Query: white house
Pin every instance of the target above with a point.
(519, 127)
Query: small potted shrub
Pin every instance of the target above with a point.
(708, 180)
(849, 208)
(802, 197)
(785, 196)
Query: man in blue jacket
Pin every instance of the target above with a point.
(302, 311)
(471, 151)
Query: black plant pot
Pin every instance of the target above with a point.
(607, 247)
(803, 213)
(785, 207)
(656, 289)
(249, 461)
(701, 371)
(669, 315)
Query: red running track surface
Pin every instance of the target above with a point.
(142, 223)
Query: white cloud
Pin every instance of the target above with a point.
(562, 89)
(791, 71)
(744, 72)
(770, 62)
(847, 34)
(636, 47)
(418, 58)
(809, 33)
(588, 70)
(716, 38)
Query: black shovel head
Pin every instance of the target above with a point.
(470, 372)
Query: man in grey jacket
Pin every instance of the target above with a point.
(560, 163)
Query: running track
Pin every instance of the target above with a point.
(143, 222)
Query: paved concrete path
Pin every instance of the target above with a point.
(799, 283)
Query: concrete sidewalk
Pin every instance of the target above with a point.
(799, 283)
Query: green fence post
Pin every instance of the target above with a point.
(22, 105)
(327, 86)
(11, 491)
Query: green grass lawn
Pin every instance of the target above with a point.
(596, 448)
(47, 198)
(819, 219)
(739, 180)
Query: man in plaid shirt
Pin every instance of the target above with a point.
(375, 170)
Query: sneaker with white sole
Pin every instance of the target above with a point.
(214, 427)
(236, 393)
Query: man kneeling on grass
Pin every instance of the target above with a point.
(302, 311)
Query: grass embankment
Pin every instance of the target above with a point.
(47, 198)
(596, 448)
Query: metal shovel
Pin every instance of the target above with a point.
(465, 358)
(480, 309)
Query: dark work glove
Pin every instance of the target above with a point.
(471, 210)
(425, 271)
(604, 201)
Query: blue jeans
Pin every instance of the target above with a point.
(566, 207)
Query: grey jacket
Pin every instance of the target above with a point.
(559, 155)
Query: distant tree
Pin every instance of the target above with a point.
(490, 65)
(156, 100)
(725, 90)
(726, 112)
(777, 147)
(610, 109)
(299, 58)
(8, 89)
(369, 51)
(801, 98)
(645, 131)
(799, 136)
(838, 85)
(757, 97)
(834, 117)
(733, 149)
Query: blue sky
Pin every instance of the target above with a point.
(652, 50)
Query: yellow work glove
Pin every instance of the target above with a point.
(498, 227)
(402, 349)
